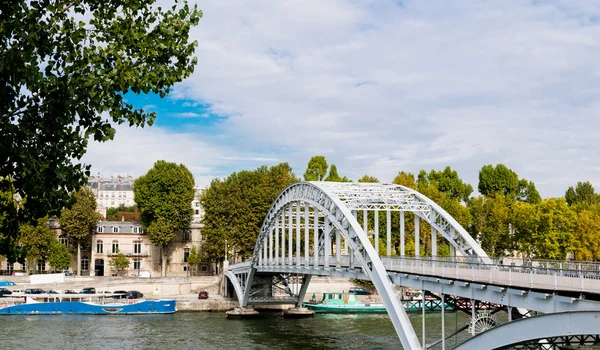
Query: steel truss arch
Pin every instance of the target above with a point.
(336, 201)
(539, 329)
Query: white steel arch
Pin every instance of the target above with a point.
(336, 203)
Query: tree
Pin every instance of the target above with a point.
(316, 169)
(405, 179)
(9, 225)
(113, 214)
(80, 220)
(545, 230)
(447, 182)
(66, 68)
(333, 175)
(36, 239)
(235, 208)
(499, 180)
(528, 193)
(59, 256)
(583, 193)
(587, 235)
(368, 178)
(490, 224)
(119, 262)
(164, 196)
(194, 259)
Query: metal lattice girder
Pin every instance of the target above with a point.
(536, 328)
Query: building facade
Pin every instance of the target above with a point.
(112, 192)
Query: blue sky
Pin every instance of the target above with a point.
(378, 87)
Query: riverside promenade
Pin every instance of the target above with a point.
(183, 289)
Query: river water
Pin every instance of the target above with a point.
(205, 330)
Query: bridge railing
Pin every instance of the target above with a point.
(533, 274)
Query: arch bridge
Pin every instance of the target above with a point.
(313, 228)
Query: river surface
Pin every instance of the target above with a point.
(205, 330)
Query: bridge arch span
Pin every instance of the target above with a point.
(337, 204)
(546, 329)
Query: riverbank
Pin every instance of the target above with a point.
(183, 290)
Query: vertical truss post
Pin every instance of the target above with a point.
(443, 321)
(402, 234)
(277, 241)
(423, 315)
(306, 232)
(389, 232)
(271, 246)
(290, 234)
(316, 237)
(298, 217)
(376, 233)
(283, 237)
(433, 236)
(338, 249)
(327, 250)
(417, 240)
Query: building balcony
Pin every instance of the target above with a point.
(129, 255)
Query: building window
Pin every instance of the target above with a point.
(100, 229)
(115, 247)
(197, 211)
(137, 229)
(185, 235)
(10, 267)
(115, 229)
(137, 264)
(186, 254)
(41, 265)
(137, 247)
(63, 239)
(85, 263)
(99, 247)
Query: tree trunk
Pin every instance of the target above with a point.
(163, 268)
(78, 258)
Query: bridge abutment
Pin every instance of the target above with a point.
(242, 312)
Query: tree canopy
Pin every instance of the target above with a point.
(66, 69)
(164, 196)
(447, 182)
(368, 178)
(235, 207)
(80, 220)
(316, 169)
(583, 193)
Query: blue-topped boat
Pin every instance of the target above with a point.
(80, 304)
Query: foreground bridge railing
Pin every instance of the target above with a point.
(533, 274)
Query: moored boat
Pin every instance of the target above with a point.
(80, 304)
(343, 302)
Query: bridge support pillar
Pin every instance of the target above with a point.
(298, 312)
(242, 312)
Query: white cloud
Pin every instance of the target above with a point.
(383, 86)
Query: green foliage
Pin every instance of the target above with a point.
(368, 178)
(498, 180)
(583, 194)
(235, 207)
(112, 213)
(587, 234)
(36, 239)
(164, 196)
(119, 262)
(80, 220)
(195, 258)
(59, 256)
(528, 193)
(490, 224)
(9, 225)
(545, 230)
(405, 179)
(316, 169)
(66, 69)
(447, 182)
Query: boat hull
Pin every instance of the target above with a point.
(84, 308)
(366, 308)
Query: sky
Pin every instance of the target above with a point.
(379, 87)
